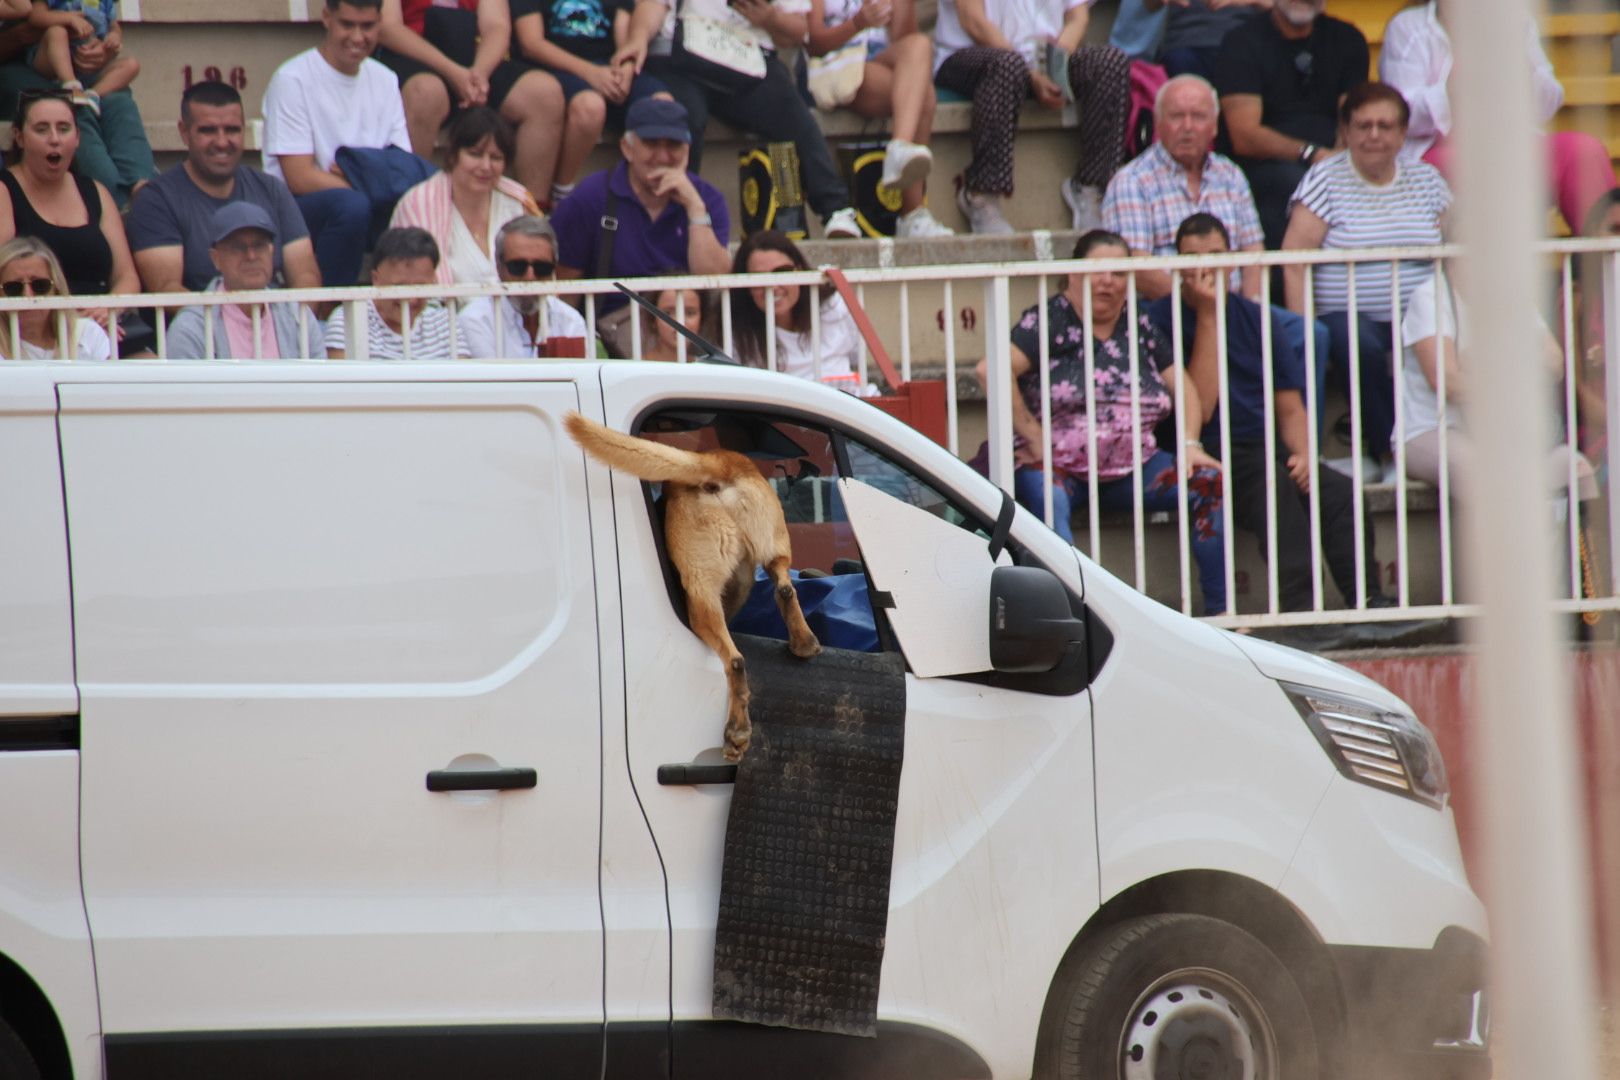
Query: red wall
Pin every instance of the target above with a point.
(1442, 691)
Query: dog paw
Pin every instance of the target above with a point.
(738, 737)
(805, 647)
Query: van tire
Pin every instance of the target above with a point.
(16, 1063)
(1185, 985)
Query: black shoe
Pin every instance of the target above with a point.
(1402, 633)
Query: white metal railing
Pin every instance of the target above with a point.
(889, 292)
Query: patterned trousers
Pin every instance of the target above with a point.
(998, 82)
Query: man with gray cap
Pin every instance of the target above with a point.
(530, 326)
(242, 244)
(648, 215)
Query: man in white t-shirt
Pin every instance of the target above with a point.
(530, 326)
(413, 328)
(331, 96)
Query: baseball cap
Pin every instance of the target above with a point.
(235, 216)
(658, 118)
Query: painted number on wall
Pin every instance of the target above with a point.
(236, 76)
(967, 315)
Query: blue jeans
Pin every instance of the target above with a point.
(1376, 377)
(1206, 528)
(339, 223)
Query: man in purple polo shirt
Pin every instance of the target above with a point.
(647, 215)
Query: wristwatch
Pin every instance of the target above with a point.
(695, 220)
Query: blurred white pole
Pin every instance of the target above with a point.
(1537, 881)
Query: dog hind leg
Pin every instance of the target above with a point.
(709, 624)
(801, 639)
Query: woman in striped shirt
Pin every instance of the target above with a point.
(1363, 198)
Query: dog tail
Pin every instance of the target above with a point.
(641, 458)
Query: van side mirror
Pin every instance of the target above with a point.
(1032, 628)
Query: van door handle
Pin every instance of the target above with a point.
(686, 772)
(481, 779)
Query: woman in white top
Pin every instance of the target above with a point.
(464, 206)
(1434, 330)
(996, 52)
(768, 252)
(1415, 58)
(896, 80)
(29, 268)
(1365, 197)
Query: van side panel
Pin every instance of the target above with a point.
(294, 602)
(36, 629)
(42, 924)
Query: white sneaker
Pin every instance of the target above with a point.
(920, 224)
(1371, 471)
(905, 164)
(1084, 202)
(983, 213)
(841, 225)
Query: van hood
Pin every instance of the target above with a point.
(1287, 664)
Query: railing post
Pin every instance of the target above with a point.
(1537, 876)
(1611, 389)
(998, 389)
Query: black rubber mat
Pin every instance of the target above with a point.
(804, 892)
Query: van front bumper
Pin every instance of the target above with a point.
(1418, 1013)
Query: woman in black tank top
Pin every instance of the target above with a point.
(45, 199)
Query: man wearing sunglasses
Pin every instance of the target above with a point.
(242, 245)
(530, 326)
(1281, 78)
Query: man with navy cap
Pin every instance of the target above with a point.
(647, 215)
(242, 244)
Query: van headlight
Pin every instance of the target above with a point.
(1375, 745)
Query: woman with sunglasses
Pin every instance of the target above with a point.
(771, 252)
(465, 205)
(43, 197)
(29, 268)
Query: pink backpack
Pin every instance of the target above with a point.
(1146, 79)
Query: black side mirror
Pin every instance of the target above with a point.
(1032, 628)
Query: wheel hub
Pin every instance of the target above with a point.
(1186, 1031)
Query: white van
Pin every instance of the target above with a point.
(335, 702)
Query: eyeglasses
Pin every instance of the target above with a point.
(254, 246)
(37, 286)
(521, 267)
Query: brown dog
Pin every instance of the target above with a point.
(721, 519)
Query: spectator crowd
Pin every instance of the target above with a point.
(430, 144)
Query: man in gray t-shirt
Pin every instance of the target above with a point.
(170, 223)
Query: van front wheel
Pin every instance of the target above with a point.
(1176, 997)
(15, 1060)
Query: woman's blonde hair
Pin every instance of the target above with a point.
(23, 247)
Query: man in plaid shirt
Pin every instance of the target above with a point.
(1176, 177)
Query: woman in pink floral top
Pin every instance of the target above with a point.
(1111, 383)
